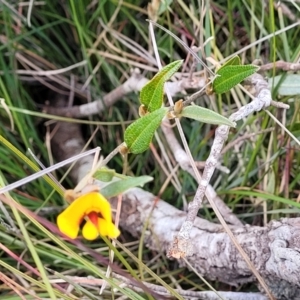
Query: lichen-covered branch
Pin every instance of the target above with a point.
(181, 243)
(274, 249)
(182, 158)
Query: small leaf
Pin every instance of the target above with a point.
(118, 187)
(230, 76)
(153, 92)
(233, 61)
(205, 115)
(139, 134)
(104, 174)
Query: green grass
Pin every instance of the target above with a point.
(63, 33)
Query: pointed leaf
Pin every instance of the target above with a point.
(118, 187)
(230, 76)
(139, 134)
(153, 92)
(205, 115)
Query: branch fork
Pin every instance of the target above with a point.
(181, 243)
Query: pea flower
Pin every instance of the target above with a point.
(96, 211)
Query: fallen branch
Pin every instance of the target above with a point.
(272, 249)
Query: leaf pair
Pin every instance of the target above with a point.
(139, 134)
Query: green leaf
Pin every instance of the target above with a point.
(104, 174)
(230, 76)
(289, 86)
(139, 134)
(205, 115)
(233, 61)
(120, 186)
(152, 93)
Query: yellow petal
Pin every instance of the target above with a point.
(90, 202)
(104, 228)
(101, 205)
(67, 226)
(108, 229)
(90, 231)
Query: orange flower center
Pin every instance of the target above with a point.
(93, 216)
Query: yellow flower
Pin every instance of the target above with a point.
(95, 209)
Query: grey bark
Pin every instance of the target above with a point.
(274, 249)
